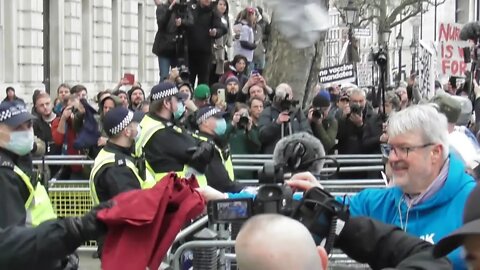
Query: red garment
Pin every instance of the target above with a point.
(142, 224)
(59, 138)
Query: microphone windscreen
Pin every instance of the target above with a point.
(470, 31)
(310, 146)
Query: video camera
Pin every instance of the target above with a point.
(287, 105)
(180, 9)
(356, 109)
(318, 210)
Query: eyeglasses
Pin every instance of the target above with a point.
(400, 151)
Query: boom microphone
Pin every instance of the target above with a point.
(471, 31)
(299, 152)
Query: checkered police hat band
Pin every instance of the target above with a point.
(165, 93)
(122, 125)
(11, 112)
(207, 115)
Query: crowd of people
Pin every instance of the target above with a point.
(207, 107)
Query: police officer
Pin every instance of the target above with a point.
(44, 247)
(114, 170)
(219, 171)
(23, 201)
(165, 146)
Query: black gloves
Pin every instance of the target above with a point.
(87, 227)
(201, 156)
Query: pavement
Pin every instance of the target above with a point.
(87, 262)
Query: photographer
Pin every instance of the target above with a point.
(242, 135)
(324, 127)
(281, 119)
(207, 26)
(169, 24)
(360, 131)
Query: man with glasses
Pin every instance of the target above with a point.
(430, 185)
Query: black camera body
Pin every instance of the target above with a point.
(269, 199)
(380, 57)
(356, 109)
(288, 105)
(317, 114)
(318, 210)
(243, 121)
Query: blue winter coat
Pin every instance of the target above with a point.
(430, 220)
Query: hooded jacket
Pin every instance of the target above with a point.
(430, 220)
(145, 236)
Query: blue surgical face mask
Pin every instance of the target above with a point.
(180, 111)
(221, 127)
(21, 142)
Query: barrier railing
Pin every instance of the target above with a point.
(72, 197)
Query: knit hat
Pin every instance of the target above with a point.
(163, 90)
(206, 112)
(449, 106)
(232, 79)
(117, 119)
(202, 92)
(135, 88)
(322, 99)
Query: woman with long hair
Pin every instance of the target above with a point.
(220, 56)
(244, 43)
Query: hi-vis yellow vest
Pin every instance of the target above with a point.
(149, 127)
(104, 158)
(38, 205)
(227, 163)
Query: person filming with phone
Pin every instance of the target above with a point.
(281, 119)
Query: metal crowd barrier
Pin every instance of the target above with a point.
(72, 197)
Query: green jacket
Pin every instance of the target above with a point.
(243, 142)
(326, 132)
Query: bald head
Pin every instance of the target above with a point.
(271, 241)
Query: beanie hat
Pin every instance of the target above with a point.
(322, 99)
(202, 92)
(232, 79)
(130, 92)
(117, 119)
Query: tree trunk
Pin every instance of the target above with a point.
(297, 67)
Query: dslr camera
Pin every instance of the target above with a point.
(243, 122)
(356, 109)
(317, 113)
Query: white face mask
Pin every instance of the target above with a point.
(21, 142)
(139, 130)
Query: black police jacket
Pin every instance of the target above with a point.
(13, 191)
(384, 246)
(115, 178)
(170, 150)
(216, 173)
(41, 248)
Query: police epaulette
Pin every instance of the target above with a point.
(120, 161)
(6, 163)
